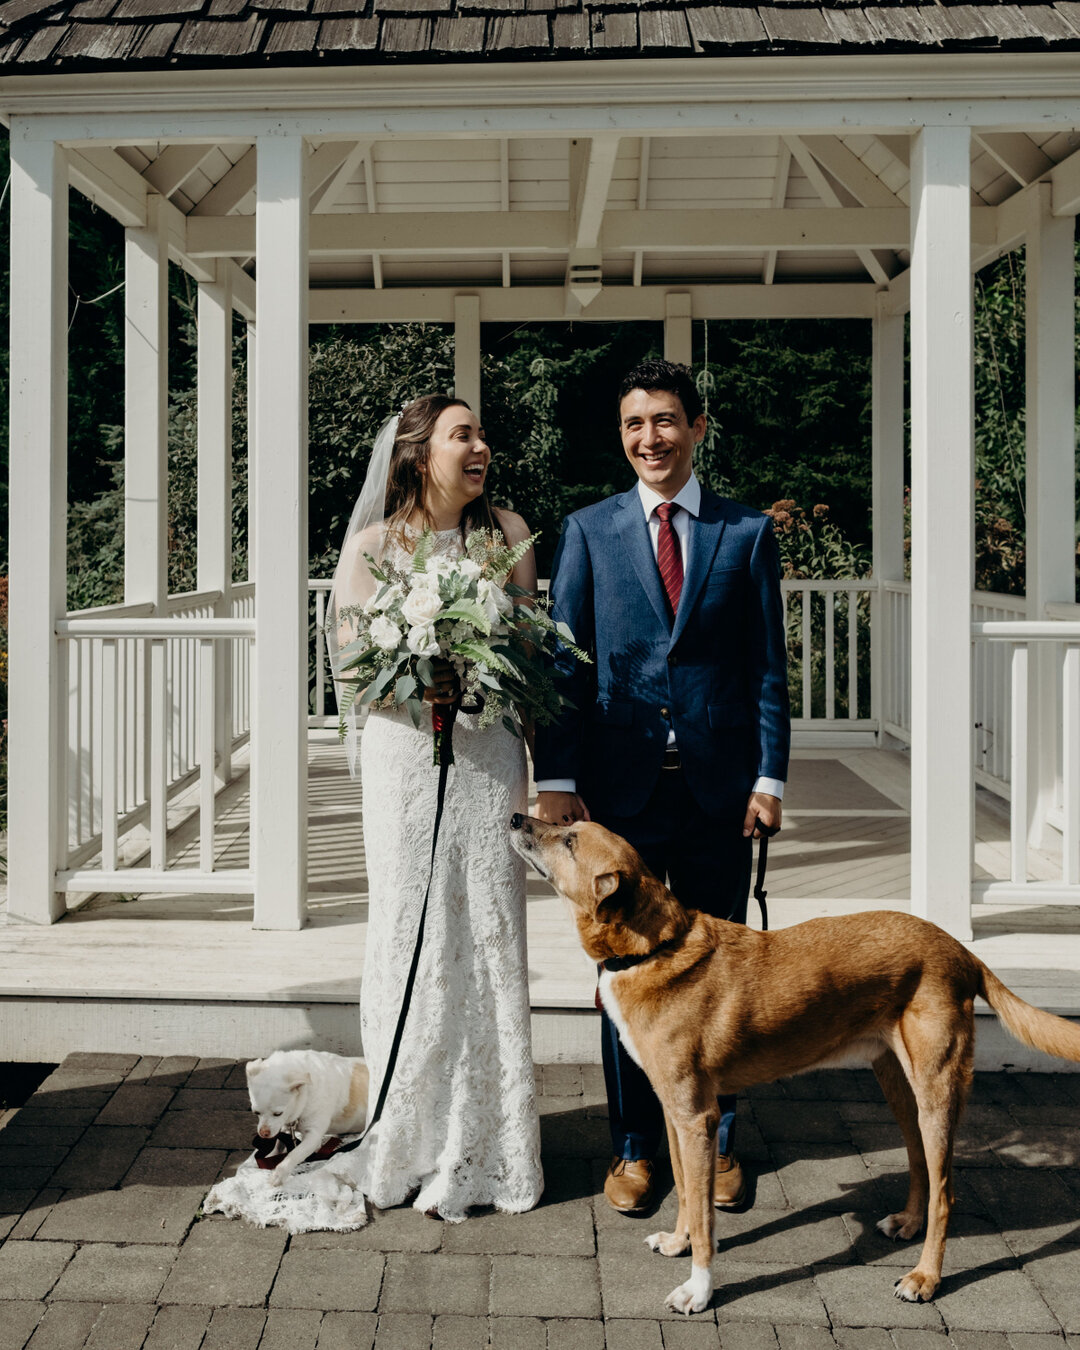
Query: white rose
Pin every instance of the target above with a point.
(469, 569)
(420, 607)
(425, 581)
(440, 565)
(422, 641)
(384, 633)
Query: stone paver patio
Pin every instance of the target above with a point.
(103, 1246)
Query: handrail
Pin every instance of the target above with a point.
(121, 611)
(821, 585)
(155, 628)
(190, 599)
(1028, 630)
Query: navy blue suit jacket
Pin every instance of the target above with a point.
(718, 675)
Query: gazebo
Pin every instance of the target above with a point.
(472, 161)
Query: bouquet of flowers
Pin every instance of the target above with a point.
(464, 611)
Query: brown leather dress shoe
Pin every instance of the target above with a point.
(629, 1184)
(730, 1183)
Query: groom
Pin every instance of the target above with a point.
(680, 737)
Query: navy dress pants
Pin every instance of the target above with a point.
(706, 864)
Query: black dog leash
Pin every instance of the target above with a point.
(399, 1030)
(766, 832)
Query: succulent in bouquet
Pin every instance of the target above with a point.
(499, 638)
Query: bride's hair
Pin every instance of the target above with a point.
(408, 460)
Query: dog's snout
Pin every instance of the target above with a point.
(516, 820)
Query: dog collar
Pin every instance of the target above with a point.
(614, 964)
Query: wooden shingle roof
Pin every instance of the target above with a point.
(74, 35)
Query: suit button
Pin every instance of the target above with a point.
(665, 712)
(673, 660)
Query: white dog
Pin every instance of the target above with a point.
(311, 1093)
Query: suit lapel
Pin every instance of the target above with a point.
(634, 533)
(703, 541)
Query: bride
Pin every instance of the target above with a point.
(460, 1125)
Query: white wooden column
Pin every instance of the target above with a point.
(887, 449)
(146, 400)
(279, 743)
(38, 523)
(942, 530)
(1050, 480)
(214, 558)
(678, 328)
(467, 350)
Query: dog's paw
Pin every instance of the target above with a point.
(668, 1244)
(916, 1286)
(694, 1295)
(900, 1225)
(277, 1177)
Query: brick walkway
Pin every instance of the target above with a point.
(102, 1244)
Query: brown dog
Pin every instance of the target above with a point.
(707, 1006)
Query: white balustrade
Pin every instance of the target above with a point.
(832, 699)
(1014, 639)
(141, 729)
(141, 715)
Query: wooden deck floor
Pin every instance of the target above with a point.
(844, 848)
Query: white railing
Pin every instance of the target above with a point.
(895, 634)
(829, 636)
(242, 606)
(152, 707)
(319, 665)
(1016, 639)
(991, 680)
(831, 692)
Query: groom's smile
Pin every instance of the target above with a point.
(657, 438)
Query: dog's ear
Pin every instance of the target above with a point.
(298, 1083)
(605, 887)
(605, 884)
(254, 1066)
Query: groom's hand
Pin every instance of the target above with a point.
(561, 808)
(762, 806)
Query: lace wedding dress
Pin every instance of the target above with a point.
(460, 1126)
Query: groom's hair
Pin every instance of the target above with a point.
(666, 376)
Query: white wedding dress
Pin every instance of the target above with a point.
(460, 1126)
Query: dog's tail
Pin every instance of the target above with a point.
(1032, 1026)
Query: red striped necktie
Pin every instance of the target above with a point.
(669, 556)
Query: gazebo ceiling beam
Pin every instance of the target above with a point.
(324, 162)
(541, 304)
(228, 192)
(1017, 154)
(1014, 213)
(243, 291)
(486, 232)
(779, 197)
(111, 183)
(591, 179)
(879, 268)
(328, 192)
(847, 168)
(175, 165)
(592, 163)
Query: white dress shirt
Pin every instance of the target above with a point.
(689, 498)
